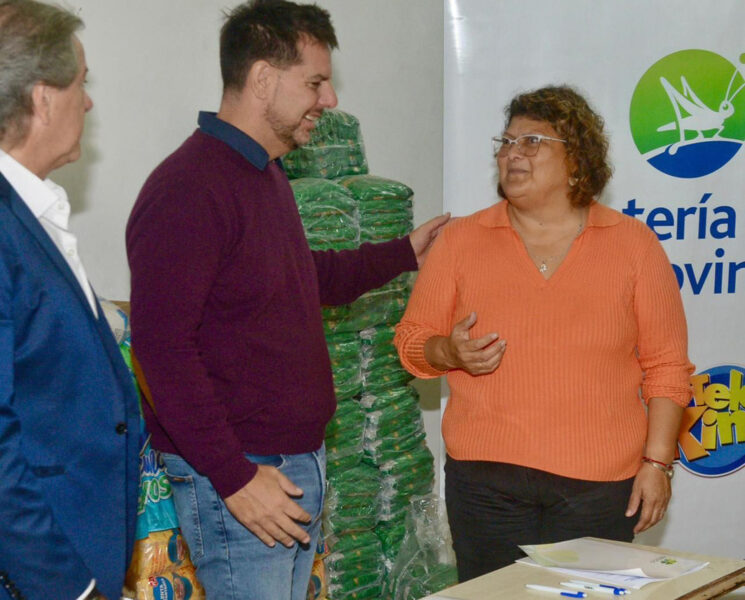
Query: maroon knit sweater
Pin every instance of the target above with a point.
(226, 298)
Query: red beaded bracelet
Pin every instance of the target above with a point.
(657, 464)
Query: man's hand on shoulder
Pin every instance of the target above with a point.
(264, 506)
(422, 237)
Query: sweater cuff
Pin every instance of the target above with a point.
(232, 475)
(681, 397)
(420, 365)
(411, 352)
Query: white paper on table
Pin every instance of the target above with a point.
(619, 580)
(591, 554)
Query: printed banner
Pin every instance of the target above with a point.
(669, 80)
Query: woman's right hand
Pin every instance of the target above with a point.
(458, 351)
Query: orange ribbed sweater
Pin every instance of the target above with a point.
(581, 346)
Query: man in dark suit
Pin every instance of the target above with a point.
(68, 410)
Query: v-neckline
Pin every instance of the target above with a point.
(567, 254)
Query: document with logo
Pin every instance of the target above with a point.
(636, 566)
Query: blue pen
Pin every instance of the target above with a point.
(597, 587)
(618, 591)
(555, 591)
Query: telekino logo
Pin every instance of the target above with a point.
(712, 435)
(687, 113)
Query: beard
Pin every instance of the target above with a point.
(290, 134)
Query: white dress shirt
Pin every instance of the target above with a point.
(49, 204)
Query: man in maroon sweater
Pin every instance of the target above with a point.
(226, 320)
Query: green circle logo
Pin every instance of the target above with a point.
(687, 114)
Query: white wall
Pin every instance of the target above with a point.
(154, 64)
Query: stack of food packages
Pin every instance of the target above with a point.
(376, 453)
(335, 149)
(160, 566)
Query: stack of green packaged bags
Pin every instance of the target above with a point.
(354, 564)
(329, 214)
(335, 149)
(344, 432)
(377, 458)
(381, 367)
(393, 429)
(382, 306)
(394, 442)
(385, 206)
(345, 352)
(404, 476)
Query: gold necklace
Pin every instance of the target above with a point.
(543, 267)
(544, 262)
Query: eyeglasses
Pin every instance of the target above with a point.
(527, 144)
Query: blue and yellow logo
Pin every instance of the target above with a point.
(712, 437)
(687, 113)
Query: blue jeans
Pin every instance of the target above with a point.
(232, 563)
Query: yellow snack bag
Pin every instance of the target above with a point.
(181, 584)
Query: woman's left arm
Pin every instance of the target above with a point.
(663, 356)
(652, 487)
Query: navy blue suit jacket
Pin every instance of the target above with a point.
(68, 424)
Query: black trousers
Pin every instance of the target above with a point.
(493, 507)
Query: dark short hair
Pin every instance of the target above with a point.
(35, 47)
(269, 30)
(573, 119)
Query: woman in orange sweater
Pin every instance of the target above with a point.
(559, 325)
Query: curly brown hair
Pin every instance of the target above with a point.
(573, 119)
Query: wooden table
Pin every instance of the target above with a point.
(718, 578)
